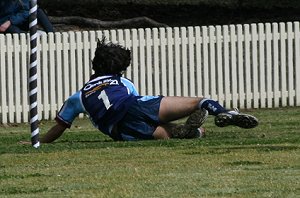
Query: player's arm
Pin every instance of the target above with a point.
(55, 132)
(70, 110)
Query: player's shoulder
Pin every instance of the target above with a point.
(75, 97)
(126, 80)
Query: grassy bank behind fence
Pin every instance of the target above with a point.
(229, 162)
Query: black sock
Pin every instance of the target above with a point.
(213, 107)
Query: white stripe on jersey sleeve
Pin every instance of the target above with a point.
(130, 86)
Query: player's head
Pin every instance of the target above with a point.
(110, 58)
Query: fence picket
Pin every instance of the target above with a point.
(255, 78)
(79, 70)
(17, 85)
(261, 41)
(113, 35)
(86, 57)
(297, 62)
(206, 79)
(275, 65)
(3, 100)
(9, 79)
(156, 71)
(79, 62)
(184, 62)
(72, 63)
(128, 45)
(212, 62)
(141, 63)
(170, 57)
(191, 62)
(219, 71)
(248, 66)
(135, 60)
(269, 64)
(290, 63)
(149, 65)
(66, 63)
(52, 81)
(233, 63)
(163, 61)
(58, 68)
(283, 70)
(177, 62)
(226, 68)
(43, 65)
(24, 81)
(199, 80)
(240, 66)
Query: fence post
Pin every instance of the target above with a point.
(33, 76)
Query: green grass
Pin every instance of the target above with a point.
(229, 162)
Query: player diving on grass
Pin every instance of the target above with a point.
(114, 106)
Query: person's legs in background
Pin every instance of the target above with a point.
(44, 21)
(14, 29)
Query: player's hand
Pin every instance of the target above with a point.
(25, 142)
(4, 26)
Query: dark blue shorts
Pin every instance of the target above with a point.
(141, 119)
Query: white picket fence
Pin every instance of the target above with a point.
(245, 66)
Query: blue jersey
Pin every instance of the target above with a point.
(105, 99)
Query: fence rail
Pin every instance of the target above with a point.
(245, 66)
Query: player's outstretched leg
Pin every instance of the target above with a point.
(235, 118)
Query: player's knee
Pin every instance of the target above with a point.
(161, 133)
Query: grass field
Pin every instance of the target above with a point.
(229, 162)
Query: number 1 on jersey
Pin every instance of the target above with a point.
(102, 96)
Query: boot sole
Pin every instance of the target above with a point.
(241, 120)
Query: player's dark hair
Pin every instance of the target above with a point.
(110, 58)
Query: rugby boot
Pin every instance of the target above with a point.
(182, 132)
(236, 118)
(197, 119)
(192, 127)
